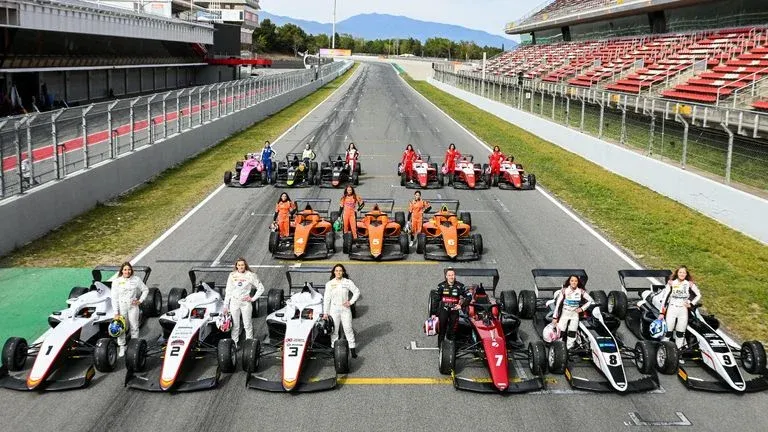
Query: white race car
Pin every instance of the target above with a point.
(190, 333)
(77, 345)
(296, 333)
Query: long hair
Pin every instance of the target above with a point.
(408, 147)
(451, 146)
(279, 199)
(247, 268)
(124, 265)
(354, 194)
(351, 146)
(344, 274)
(567, 282)
(688, 276)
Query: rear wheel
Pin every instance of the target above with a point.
(753, 357)
(645, 352)
(347, 245)
(77, 292)
(537, 357)
(400, 219)
(227, 355)
(434, 303)
(557, 357)
(227, 177)
(274, 237)
(667, 357)
(440, 179)
(174, 296)
(421, 243)
(402, 179)
(330, 241)
(15, 353)
(447, 356)
(136, 355)
(527, 303)
(477, 243)
(275, 299)
(263, 177)
(466, 217)
(251, 355)
(341, 356)
(495, 180)
(355, 179)
(404, 246)
(532, 181)
(509, 302)
(334, 215)
(601, 300)
(152, 306)
(617, 304)
(105, 355)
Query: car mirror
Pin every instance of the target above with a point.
(279, 314)
(171, 313)
(214, 314)
(100, 313)
(57, 313)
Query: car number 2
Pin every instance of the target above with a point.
(293, 351)
(499, 359)
(175, 351)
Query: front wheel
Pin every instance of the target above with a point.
(136, 355)
(105, 355)
(509, 302)
(15, 353)
(421, 243)
(667, 357)
(251, 355)
(275, 299)
(227, 177)
(274, 237)
(227, 355)
(447, 356)
(477, 243)
(527, 303)
(537, 357)
(404, 244)
(557, 358)
(645, 352)
(330, 241)
(346, 246)
(341, 356)
(753, 357)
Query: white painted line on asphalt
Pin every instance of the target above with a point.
(637, 421)
(223, 251)
(186, 217)
(415, 347)
(589, 229)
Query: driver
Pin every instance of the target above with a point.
(495, 159)
(409, 156)
(676, 301)
(128, 292)
(450, 159)
(569, 303)
(238, 299)
(307, 155)
(509, 163)
(351, 157)
(349, 205)
(416, 209)
(453, 297)
(266, 159)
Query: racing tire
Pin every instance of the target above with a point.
(421, 243)
(645, 353)
(509, 302)
(274, 169)
(495, 180)
(404, 243)
(136, 355)
(152, 306)
(359, 168)
(450, 179)
(334, 216)
(313, 167)
(433, 307)
(557, 357)
(440, 179)
(601, 300)
(531, 181)
(275, 299)
(341, 356)
(667, 357)
(402, 179)
(447, 362)
(477, 243)
(263, 177)
(355, 179)
(174, 296)
(400, 219)
(227, 177)
(226, 354)
(251, 355)
(347, 244)
(105, 354)
(274, 175)
(77, 292)
(330, 241)
(239, 164)
(466, 217)
(537, 357)
(753, 357)
(274, 238)
(15, 353)
(526, 304)
(617, 304)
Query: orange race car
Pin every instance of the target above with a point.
(311, 234)
(446, 234)
(379, 237)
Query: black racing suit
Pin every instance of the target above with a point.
(450, 296)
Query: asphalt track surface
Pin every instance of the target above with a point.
(522, 230)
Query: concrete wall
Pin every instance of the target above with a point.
(737, 209)
(27, 217)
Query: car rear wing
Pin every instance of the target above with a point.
(469, 157)
(657, 278)
(335, 157)
(321, 205)
(423, 157)
(437, 204)
(480, 272)
(195, 270)
(297, 276)
(289, 156)
(97, 272)
(386, 205)
(553, 273)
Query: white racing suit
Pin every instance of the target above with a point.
(567, 302)
(124, 291)
(336, 293)
(239, 286)
(674, 305)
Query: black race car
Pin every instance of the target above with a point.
(294, 172)
(336, 173)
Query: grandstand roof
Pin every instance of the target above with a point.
(560, 13)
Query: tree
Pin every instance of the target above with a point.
(291, 38)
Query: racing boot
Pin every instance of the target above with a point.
(354, 352)
(121, 351)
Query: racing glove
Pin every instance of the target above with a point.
(274, 218)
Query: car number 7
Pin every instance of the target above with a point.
(499, 358)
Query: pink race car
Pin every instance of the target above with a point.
(248, 172)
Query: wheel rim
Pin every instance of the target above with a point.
(747, 358)
(611, 304)
(531, 363)
(640, 359)
(233, 354)
(551, 357)
(661, 355)
(21, 354)
(112, 354)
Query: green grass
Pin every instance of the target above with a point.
(661, 233)
(115, 232)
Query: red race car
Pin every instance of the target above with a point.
(422, 175)
(512, 176)
(470, 175)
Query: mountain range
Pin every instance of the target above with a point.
(382, 26)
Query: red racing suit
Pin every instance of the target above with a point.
(495, 160)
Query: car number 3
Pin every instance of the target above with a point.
(293, 351)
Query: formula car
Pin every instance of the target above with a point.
(425, 174)
(297, 334)
(336, 173)
(77, 344)
(190, 335)
(293, 172)
(379, 237)
(470, 175)
(248, 172)
(596, 347)
(513, 176)
(311, 234)
(712, 361)
(488, 331)
(446, 234)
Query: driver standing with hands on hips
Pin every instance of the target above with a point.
(128, 291)
(238, 300)
(337, 304)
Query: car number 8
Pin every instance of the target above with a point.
(613, 360)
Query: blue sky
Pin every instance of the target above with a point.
(488, 15)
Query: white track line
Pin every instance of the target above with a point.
(559, 205)
(186, 217)
(223, 251)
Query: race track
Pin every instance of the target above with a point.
(522, 230)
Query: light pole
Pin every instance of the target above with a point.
(333, 35)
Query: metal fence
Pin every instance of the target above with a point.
(722, 143)
(42, 147)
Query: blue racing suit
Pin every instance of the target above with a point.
(266, 159)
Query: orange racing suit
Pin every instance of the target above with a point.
(348, 206)
(283, 212)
